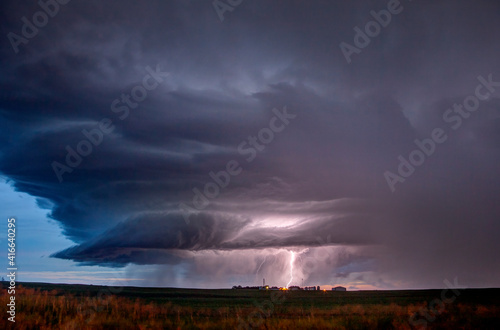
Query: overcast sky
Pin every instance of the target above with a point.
(203, 144)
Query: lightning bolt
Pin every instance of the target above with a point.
(292, 259)
(260, 265)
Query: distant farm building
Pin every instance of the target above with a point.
(339, 288)
(266, 287)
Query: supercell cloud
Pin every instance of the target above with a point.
(207, 150)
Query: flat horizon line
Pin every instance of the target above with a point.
(229, 288)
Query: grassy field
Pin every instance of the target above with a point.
(53, 306)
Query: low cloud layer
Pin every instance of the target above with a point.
(316, 184)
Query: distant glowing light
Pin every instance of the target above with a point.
(292, 259)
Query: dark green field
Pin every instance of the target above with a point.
(43, 305)
(205, 298)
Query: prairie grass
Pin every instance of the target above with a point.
(58, 309)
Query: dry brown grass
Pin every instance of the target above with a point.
(54, 310)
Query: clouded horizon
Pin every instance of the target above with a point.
(205, 151)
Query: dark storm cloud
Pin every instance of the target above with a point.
(322, 176)
(229, 231)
